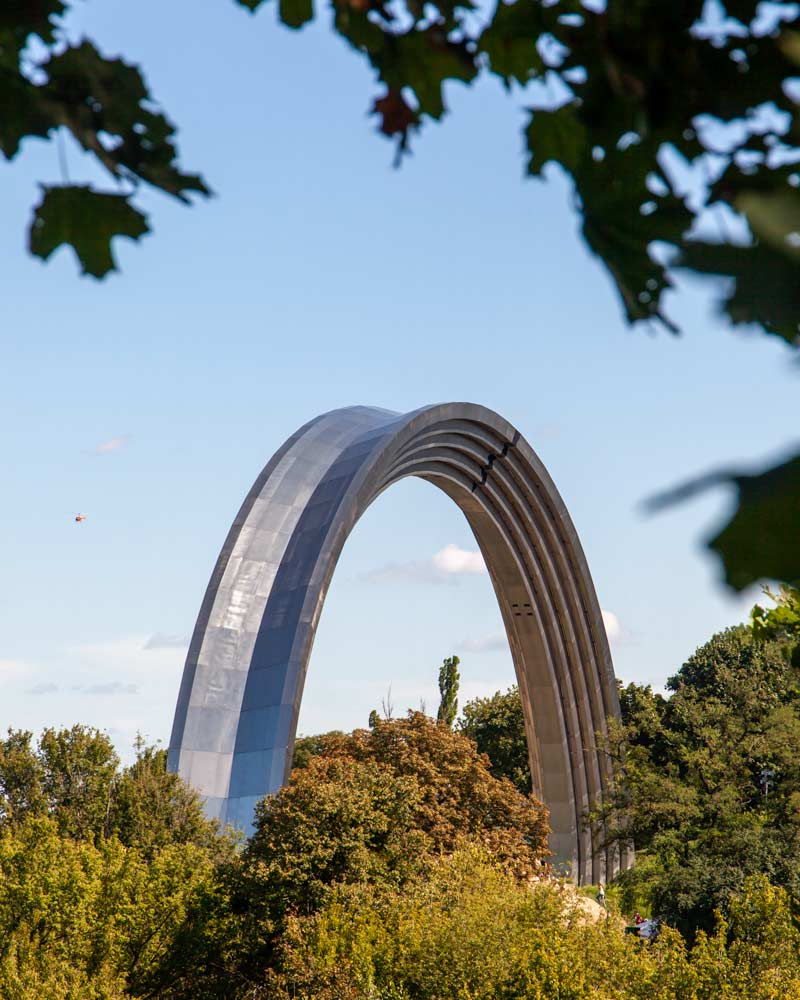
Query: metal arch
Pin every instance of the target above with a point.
(237, 710)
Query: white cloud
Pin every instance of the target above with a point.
(44, 688)
(452, 559)
(112, 445)
(484, 643)
(444, 566)
(614, 630)
(166, 640)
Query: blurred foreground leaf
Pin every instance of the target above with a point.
(762, 538)
(87, 221)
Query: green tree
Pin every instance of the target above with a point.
(79, 771)
(468, 930)
(375, 807)
(152, 809)
(497, 727)
(712, 779)
(306, 747)
(70, 775)
(73, 776)
(448, 691)
(781, 621)
(459, 796)
(94, 920)
(21, 780)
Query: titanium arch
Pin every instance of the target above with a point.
(236, 716)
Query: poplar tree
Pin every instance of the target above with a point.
(448, 689)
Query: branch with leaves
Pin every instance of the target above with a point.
(104, 104)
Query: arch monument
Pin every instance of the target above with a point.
(236, 716)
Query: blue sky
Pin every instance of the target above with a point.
(321, 277)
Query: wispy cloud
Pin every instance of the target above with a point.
(112, 445)
(111, 687)
(444, 566)
(44, 688)
(165, 640)
(128, 657)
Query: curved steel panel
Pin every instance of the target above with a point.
(239, 701)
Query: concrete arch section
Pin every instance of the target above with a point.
(237, 710)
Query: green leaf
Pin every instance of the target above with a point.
(21, 18)
(762, 539)
(774, 217)
(555, 135)
(87, 221)
(295, 13)
(623, 218)
(423, 60)
(96, 98)
(22, 115)
(510, 41)
(251, 5)
(766, 286)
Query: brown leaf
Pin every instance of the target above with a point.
(397, 117)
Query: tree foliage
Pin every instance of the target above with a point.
(104, 872)
(712, 778)
(49, 85)
(497, 727)
(448, 691)
(395, 866)
(470, 931)
(79, 919)
(374, 808)
(781, 622)
(72, 776)
(459, 796)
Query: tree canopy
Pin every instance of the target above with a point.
(395, 865)
(73, 778)
(469, 930)
(712, 778)
(497, 727)
(448, 690)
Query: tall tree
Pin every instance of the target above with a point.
(448, 691)
(497, 727)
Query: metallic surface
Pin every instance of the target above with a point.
(239, 701)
